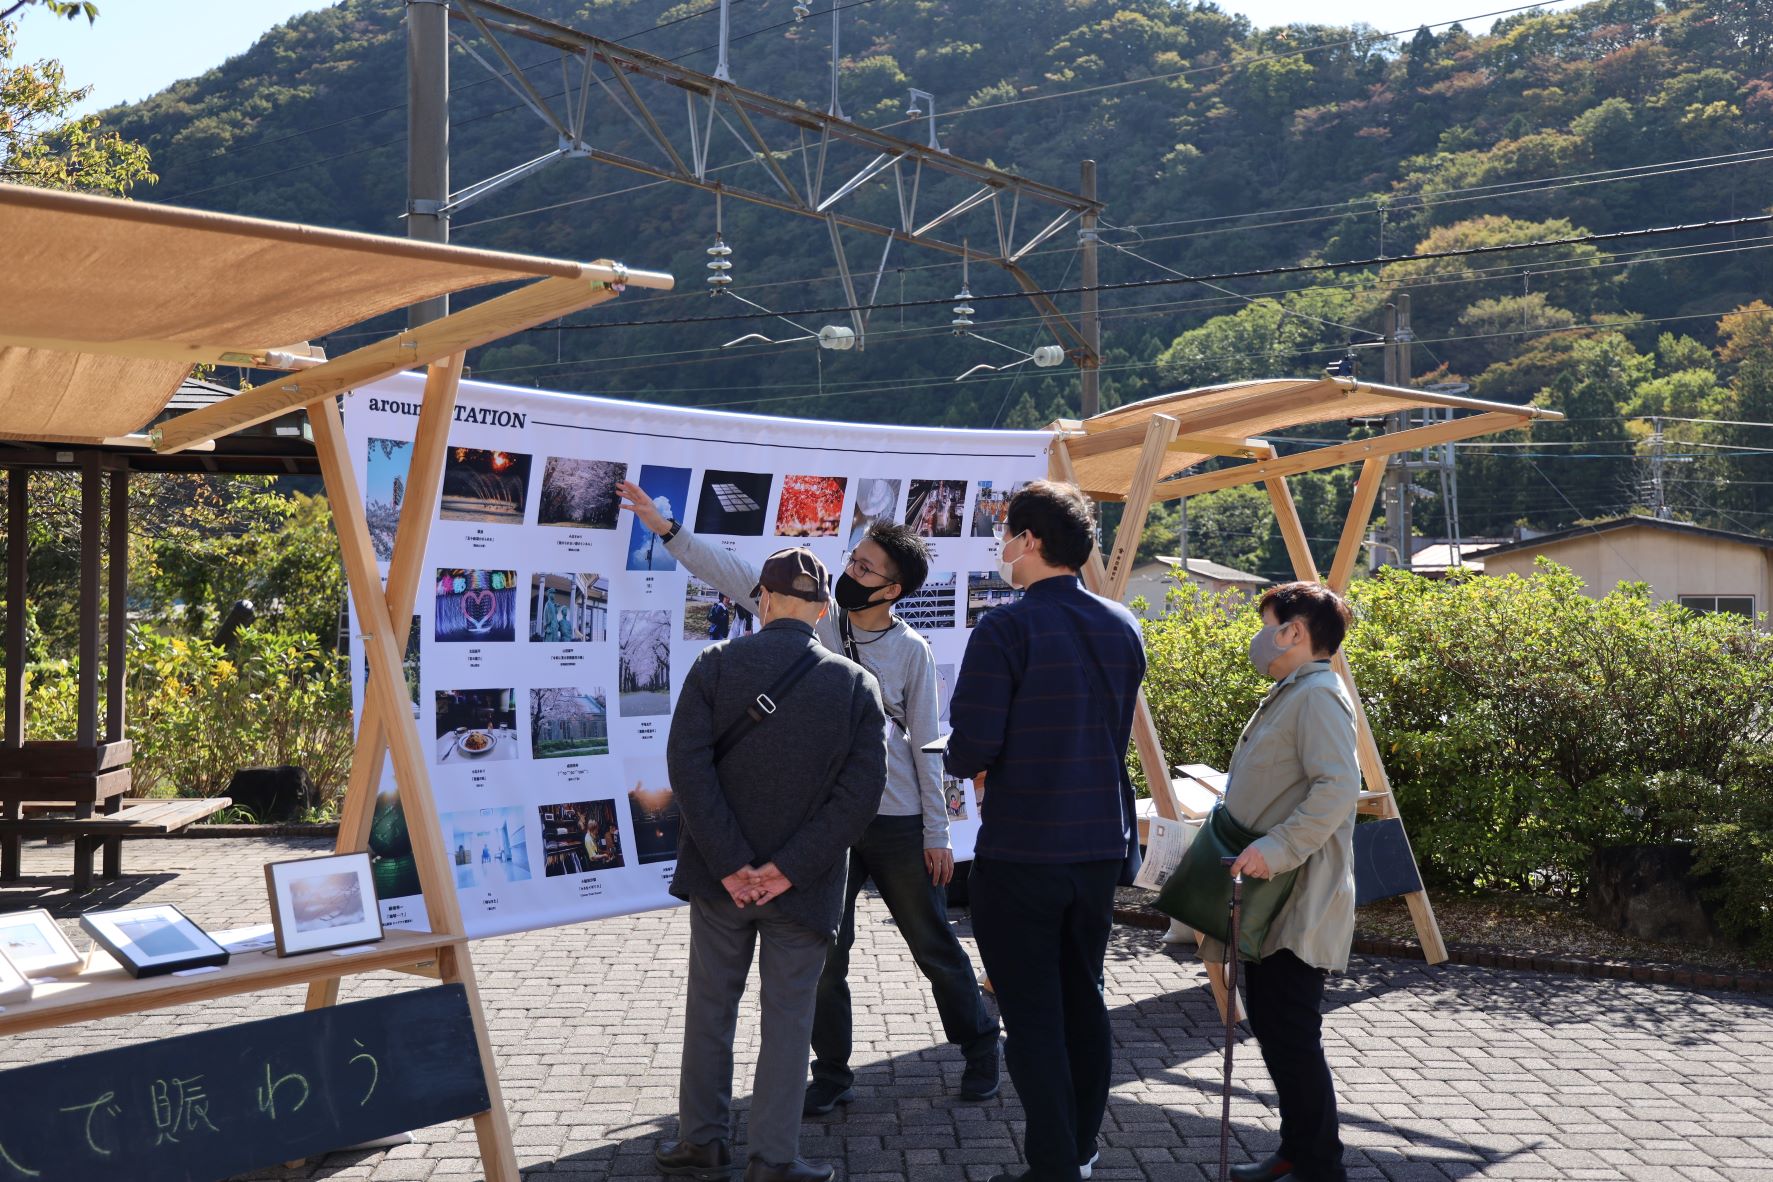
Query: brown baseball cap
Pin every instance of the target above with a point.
(796, 571)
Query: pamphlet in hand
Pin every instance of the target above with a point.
(936, 746)
(1165, 843)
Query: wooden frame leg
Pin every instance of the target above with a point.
(424, 480)
(1372, 762)
(387, 686)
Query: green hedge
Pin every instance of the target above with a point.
(198, 713)
(1524, 724)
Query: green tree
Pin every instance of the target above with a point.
(41, 146)
(1594, 479)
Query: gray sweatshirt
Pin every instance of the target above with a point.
(900, 660)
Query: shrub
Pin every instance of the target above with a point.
(198, 713)
(1524, 724)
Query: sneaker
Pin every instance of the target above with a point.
(980, 1080)
(1088, 1167)
(822, 1096)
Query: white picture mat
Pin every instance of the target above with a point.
(358, 922)
(36, 945)
(490, 808)
(14, 984)
(168, 933)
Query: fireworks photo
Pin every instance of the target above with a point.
(490, 486)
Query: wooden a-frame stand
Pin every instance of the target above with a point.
(1161, 441)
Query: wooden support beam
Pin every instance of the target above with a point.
(1085, 446)
(18, 485)
(1360, 512)
(92, 545)
(117, 606)
(1372, 763)
(424, 478)
(1343, 453)
(545, 300)
(388, 685)
(1160, 430)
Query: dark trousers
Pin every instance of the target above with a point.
(1285, 997)
(890, 853)
(1042, 932)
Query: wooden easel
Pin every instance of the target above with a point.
(1166, 432)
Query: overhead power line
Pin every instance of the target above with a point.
(1224, 276)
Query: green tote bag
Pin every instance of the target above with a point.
(1199, 891)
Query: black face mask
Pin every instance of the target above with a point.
(854, 596)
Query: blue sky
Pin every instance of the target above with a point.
(138, 47)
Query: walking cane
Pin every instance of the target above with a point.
(1237, 899)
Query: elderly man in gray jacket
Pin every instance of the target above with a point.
(778, 759)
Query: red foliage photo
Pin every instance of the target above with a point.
(811, 507)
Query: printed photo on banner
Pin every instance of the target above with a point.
(567, 608)
(476, 606)
(392, 864)
(579, 838)
(954, 792)
(986, 590)
(409, 664)
(933, 606)
(669, 489)
(733, 503)
(653, 807)
(488, 846)
(877, 499)
(707, 614)
(934, 508)
(568, 722)
(580, 494)
(489, 486)
(384, 490)
(644, 663)
(810, 506)
(944, 688)
(476, 725)
(993, 505)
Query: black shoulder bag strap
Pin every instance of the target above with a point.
(764, 705)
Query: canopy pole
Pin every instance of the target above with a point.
(1160, 432)
(1383, 803)
(424, 478)
(1360, 512)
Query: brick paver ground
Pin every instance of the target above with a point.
(1445, 1073)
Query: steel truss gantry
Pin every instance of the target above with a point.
(589, 65)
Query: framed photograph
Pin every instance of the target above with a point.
(13, 985)
(34, 943)
(321, 903)
(151, 941)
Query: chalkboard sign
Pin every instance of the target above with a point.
(1383, 866)
(238, 1098)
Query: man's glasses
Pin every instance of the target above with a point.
(858, 565)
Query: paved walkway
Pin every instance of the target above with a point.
(1448, 1073)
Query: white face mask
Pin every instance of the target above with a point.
(1007, 570)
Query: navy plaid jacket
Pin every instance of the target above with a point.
(1051, 738)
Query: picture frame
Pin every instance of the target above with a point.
(14, 985)
(323, 903)
(36, 945)
(152, 941)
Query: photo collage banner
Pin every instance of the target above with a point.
(552, 630)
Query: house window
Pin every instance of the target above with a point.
(1742, 605)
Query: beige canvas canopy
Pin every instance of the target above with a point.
(1141, 454)
(107, 304)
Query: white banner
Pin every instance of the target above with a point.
(552, 630)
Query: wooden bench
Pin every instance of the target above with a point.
(136, 818)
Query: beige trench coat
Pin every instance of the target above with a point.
(1295, 779)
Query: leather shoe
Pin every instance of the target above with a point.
(822, 1096)
(684, 1159)
(794, 1171)
(1274, 1167)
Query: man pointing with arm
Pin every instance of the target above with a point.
(906, 849)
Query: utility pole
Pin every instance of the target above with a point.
(1091, 323)
(1658, 491)
(1397, 476)
(1182, 537)
(427, 135)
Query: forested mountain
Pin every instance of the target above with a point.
(1221, 148)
